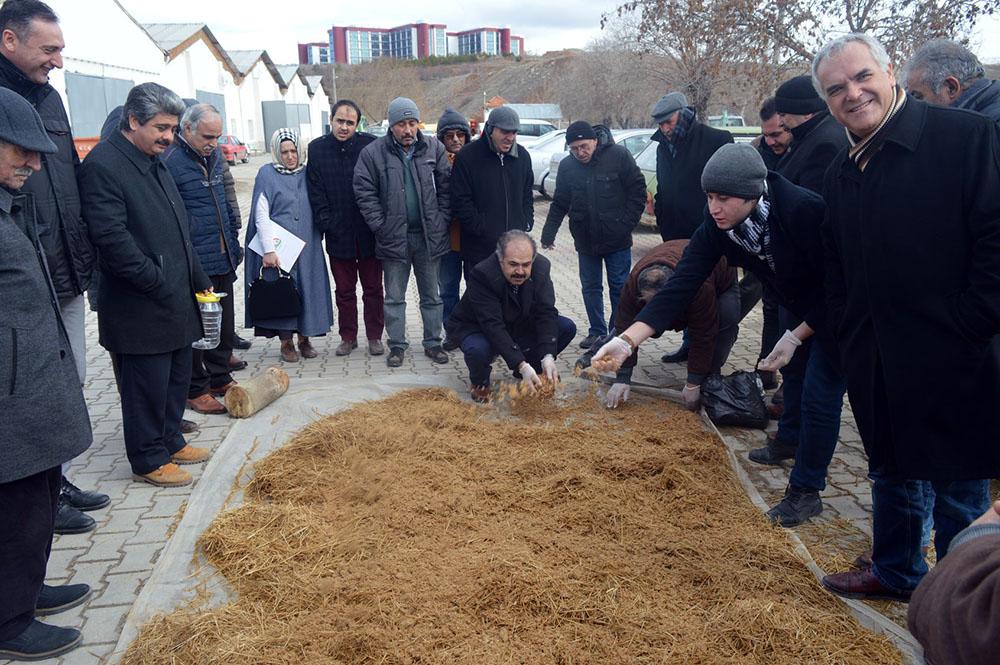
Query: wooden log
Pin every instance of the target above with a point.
(248, 397)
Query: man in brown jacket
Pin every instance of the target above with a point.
(712, 319)
(955, 611)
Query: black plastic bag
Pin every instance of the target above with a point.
(737, 399)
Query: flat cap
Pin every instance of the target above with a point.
(20, 124)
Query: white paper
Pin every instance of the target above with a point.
(287, 246)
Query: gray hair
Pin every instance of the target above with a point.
(940, 58)
(653, 278)
(834, 47)
(146, 100)
(511, 236)
(195, 114)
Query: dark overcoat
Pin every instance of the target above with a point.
(604, 199)
(44, 418)
(149, 271)
(330, 182)
(815, 144)
(679, 199)
(913, 280)
(492, 307)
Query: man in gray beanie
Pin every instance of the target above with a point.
(491, 188)
(45, 420)
(770, 227)
(684, 146)
(401, 185)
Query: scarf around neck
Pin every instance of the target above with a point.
(863, 149)
(754, 234)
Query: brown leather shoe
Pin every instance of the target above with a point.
(206, 404)
(375, 347)
(222, 390)
(168, 475)
(346, 347)
(481, 394)
(288, 352)
(190, 455)
(863, 585)
(306, 348)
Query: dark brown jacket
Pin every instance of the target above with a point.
(955, 612)
(701, 317)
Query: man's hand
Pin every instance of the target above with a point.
(617, 395)
(782, 353)
(551, 245)
(691, 396)
(611, 356)
(271, 260)
(549, 368)
(529, 378)
(991, 516)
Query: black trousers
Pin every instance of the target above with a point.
(153, 393)
(26, 522)
(210, 369)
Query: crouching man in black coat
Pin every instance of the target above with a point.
(44, 420)
(509, 309)
(148, 315)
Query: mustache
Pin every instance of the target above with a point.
(164, 143)
(24, 171)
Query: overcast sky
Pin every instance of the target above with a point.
(278, 26)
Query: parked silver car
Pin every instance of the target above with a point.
(634, 140)
(542, 151)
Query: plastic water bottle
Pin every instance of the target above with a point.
(211, 320)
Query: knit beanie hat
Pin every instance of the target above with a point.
(798, 96)
(736, 169)
(668, 104)
(505, 118)
(20, 124)
(581, 129)
(403, 108)
(452, 119)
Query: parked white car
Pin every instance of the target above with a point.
(542, 151)
(532, 131)
(634, 140)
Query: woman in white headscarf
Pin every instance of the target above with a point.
(280, 199)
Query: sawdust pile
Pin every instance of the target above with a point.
(421, 529)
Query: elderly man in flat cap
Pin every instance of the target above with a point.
(45, 420)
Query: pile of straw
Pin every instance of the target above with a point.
(422, 530)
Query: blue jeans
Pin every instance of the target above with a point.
(822, 397)
(397, 277)
(479, 353)
(900, 511)
(449, 281)
(618, 265)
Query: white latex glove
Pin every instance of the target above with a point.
(617, 395)
(691, 396)
(549, 368)
(782, 353)
(611, 356)
(529, 377)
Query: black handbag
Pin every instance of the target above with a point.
(276, 298)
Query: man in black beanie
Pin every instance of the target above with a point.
(816, 135)
(604, 193)
(763, 223)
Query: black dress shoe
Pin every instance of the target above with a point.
(235, 364)
(240, 343)
(449, 344)
(188, 426)
(589, 341)
(678, 356)
(70, 520)
(55, 599)
(82, 499)
(775, 452)
(40, 641)
(437, 355)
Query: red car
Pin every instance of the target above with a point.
(233, 149)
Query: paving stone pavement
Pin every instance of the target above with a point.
(118, 557)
